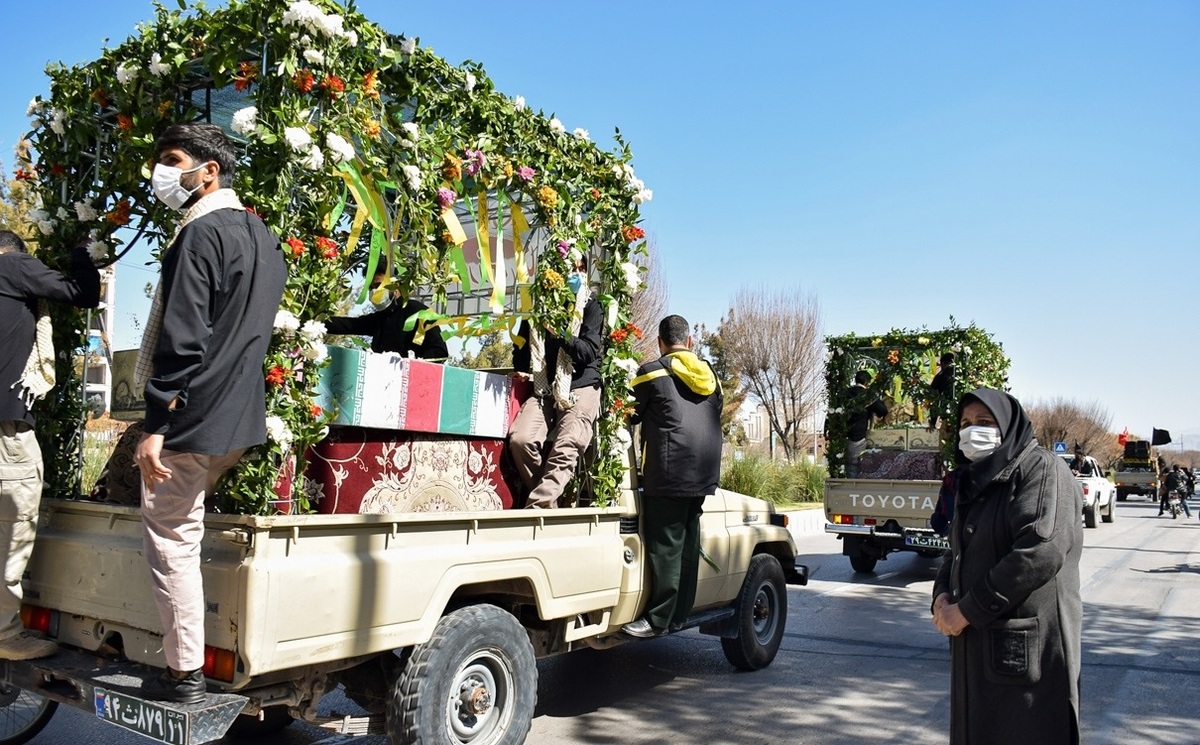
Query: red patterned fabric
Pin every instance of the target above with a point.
(899, 464)
(371, 471)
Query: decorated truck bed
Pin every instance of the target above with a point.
(888, 506)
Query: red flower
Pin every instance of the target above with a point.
(296, 245)
(247, 72)
(619, 335)
(316, 411)
(124, 122)
(333, 85)
(303, 80)
(24, 174)
(595, 193)
(58, 169)
(253, 211)
(100, 97)
(328, 248)
(634, 330)
(632, 233)
(277, 375)
(119, 214)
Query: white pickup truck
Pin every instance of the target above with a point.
(431, 621)
(1099, 494)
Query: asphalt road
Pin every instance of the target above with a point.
(861, 663)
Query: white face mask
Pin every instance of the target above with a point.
(978, 442)
(166, 181)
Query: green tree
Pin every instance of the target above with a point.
(494, 351)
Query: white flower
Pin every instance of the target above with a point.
(244, 121)
(61, 213)
(967, 350)
(39, 215)
(158, 68)
(556, 125)
(332, 25)
(85, 211)
(408, 46)
(411, 132)
(286, 323)
(126, 73)
(35, 106)
(469, 83)
(621, 441)
(315, 160)
(316, 352)
(619, 172)
(519, 102)
(98, 250)
(412, 175)
(306, 40)
(341, 149)
(629, 366)
(582, 134)
(298, 138)
(314, 56)
(278, 430)
(643, 196)
(312, 331)
(633, 275)
(58, 120)
(46, 226)
(352, 38)
(307, 15)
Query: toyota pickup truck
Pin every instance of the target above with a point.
(431, 621)
(888, 505)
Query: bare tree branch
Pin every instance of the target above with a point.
(774, 342)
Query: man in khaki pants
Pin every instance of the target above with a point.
(202, 359)
(27, 373)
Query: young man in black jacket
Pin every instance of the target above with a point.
(862, 406)
(26, 373)
(202, 358)
(679, 403)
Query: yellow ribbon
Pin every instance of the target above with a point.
(519, 225)
(499, 276)
(483, 236)
(454, 226)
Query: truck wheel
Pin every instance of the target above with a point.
(1089, 516)
(863, 564)
(275, 719)
(761, 615)
(22, 714)
(474, 681)
(1121, 495)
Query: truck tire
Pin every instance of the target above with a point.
(275, 719)
(474, 681)
(1089, 516)
(761, 615)
(1121, 495)
(22, 714)
(863, 564)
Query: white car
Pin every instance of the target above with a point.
(1099, 494)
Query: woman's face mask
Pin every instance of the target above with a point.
(977, 442)
(575, 281)
(168, 186)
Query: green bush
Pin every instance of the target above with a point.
(779, 482)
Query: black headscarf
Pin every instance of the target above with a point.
(1016, 431)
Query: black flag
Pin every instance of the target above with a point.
(1159, 437)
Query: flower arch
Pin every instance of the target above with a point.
(357, 144)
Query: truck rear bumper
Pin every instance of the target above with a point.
(110, 690)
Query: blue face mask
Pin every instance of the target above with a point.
(575, 281)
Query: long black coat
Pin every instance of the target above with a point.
(1014, 571)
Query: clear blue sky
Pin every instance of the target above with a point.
(1031, 166)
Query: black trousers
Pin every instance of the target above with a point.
(671, 528)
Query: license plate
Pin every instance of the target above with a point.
(144, 717)
(927, 541)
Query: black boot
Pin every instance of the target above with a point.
(167, 687)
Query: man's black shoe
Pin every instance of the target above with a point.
(166, 687)
(642, 629)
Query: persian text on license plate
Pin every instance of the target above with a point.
(144, 717)
(927, 541)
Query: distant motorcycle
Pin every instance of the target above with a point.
(1175, 504)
